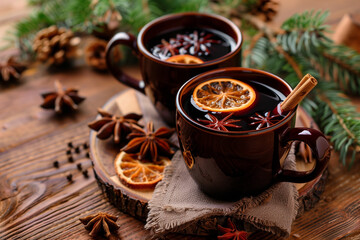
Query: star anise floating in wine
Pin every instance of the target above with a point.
(231, 232)
(266, 120)
(11, 70)
(62, 100)
(222, 124)
(166, 47)
(114, 125)
(100, 223)
(149, 144)
(194, 43)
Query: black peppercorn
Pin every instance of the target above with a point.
(85, 173)
(79, 166)
(77, 149)
(56, 164)
(69, 177)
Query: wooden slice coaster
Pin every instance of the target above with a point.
(134, 202)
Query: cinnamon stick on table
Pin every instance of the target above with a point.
(307, 83)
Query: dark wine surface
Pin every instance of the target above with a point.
(206, 44)
(258, 116)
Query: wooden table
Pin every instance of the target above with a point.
(37, 200)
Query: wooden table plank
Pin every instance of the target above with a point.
(46, 203)
(22, 119)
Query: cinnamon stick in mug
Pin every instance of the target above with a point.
(306, 84)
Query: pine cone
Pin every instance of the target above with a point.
(95, 54)
(11, 70)
(107, 25)
(266, 9)
(55, 45)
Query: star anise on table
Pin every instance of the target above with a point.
(231, 233)
(61, 100)
(100, 223)
(113, 125)
(264, 120)
(196, 43)
(149, 143)
(11, 70)
(222, 124)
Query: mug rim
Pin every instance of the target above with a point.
(149, 55)
(182, 112)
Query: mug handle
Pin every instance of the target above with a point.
(320, 148)
(129, 40)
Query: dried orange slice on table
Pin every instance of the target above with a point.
(224, 95)
(185, 59)
(139, 174)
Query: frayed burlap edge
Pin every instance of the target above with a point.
(179, 225)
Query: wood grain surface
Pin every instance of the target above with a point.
(37, 200)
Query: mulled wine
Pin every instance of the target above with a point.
(224, 153)
(257, 116)
(206, 44)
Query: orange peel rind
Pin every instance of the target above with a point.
(137, 174)
(184, 59)
(224, 95)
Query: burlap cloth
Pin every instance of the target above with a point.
(178, 205)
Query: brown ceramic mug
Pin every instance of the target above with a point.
(162, 79)
(241, 163)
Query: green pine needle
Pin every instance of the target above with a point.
(329, 107)
(305, 35)
(338, 118)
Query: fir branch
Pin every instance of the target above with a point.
(47, 14)
(79, 13)
(305, 34)
(254, 41)
(334, 113)
(339, 119)
(341, 65)
(306, 21)
(32, 24)
(141, 12)
(26, 30)
(37, 2)
(136, 17)
(270, 33)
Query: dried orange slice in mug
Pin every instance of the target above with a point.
(184, 59)
(137, 174)
(224, 95)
